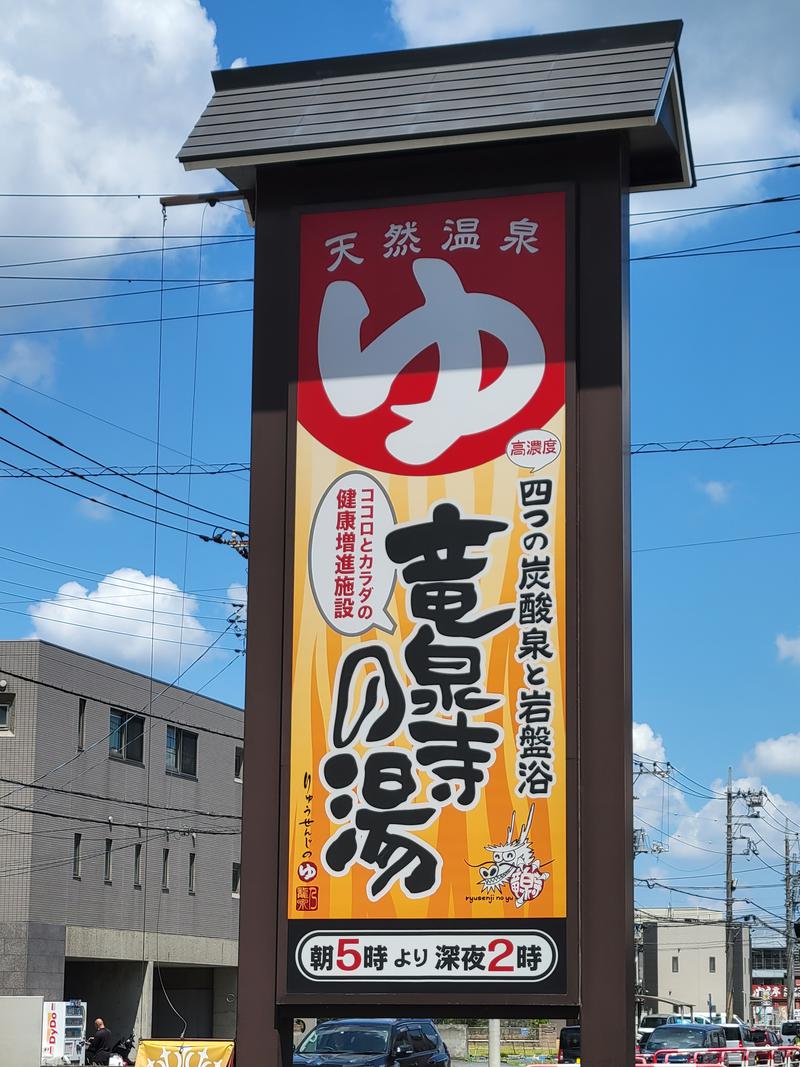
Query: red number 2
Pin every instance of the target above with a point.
(504, 948)
(348, 959)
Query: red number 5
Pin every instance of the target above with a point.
(348, 959)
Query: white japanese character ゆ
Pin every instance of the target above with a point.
(358, 380)
(521, 236)
(461, 233)
(401, 238)
(341, 247)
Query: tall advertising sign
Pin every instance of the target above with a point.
(54, 1020)
(427, 797)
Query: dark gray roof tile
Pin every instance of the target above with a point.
(600, 78)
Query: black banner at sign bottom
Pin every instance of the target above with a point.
(475, 956)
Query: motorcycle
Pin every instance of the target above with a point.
(121, 1053)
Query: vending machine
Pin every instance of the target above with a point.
(63, 1031)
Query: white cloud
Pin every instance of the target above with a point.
(425, 22)
(694, 836)
(647, 743)
(118, 619)
(95, 509)
(717, 492)
(739, 68)
(240, 61)
(98, 97)
(28, 362)
(775, 755)
(788, 648)
(237, 594)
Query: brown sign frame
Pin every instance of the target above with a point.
(600, 930)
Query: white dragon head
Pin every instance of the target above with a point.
(512, 855)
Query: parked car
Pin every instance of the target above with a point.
(765, 1040)
(373, 1043)
(648, 1023)
(681, 1036)
(569, 1044)
(789, 1031)
(737, 1036)
(763, 1036)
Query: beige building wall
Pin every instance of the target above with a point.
(685, 958)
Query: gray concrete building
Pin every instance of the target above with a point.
(119, 843)
(683, 961)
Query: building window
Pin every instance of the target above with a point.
(712, 964)
(238, 764)
(126, 737)
(81, 723)
(165, 870)
(674, 964)
(181, 751)
(108, 861)
(137, 866)
(236, 879)
(6, 713)
(192, 868)
(76, 856)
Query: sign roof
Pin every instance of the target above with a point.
(624, 77)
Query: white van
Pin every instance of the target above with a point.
(737, 1037)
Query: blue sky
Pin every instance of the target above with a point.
(714, 354)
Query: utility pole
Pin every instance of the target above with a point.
(729, 898)
(494, 1043)
(789, 885)
(754, 798)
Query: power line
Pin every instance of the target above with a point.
(100, 740)
(118, 255)
(717, 541)
(126, 322)
(85, 770)
(108, 280)
(146, 471)
(722, 244)
(123, 825)
(651, 883)
(96, 417)
(111, 603)
(721, 252)
(115, 800)
(716, 444)
(119, 633)
(193, 405)
(674, 214)
(117, 706)
(106, 504)
(682, 841)
(146, 196)
(234, 715)
(69, 569)
(741, 173)
(141, 711)
(107, 296)
(217, 238)
(93, 196)
(759, 159)
(142, 485)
